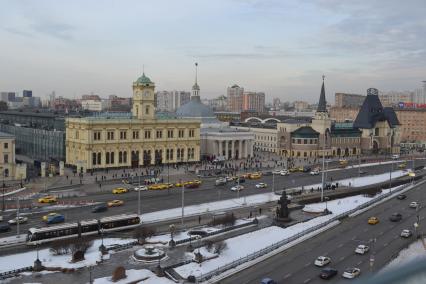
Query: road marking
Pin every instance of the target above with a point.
(339, 246)
(381, 233)
(385, 244)
(359, 262)
(307, 280)
(307, 264)
(287, 275)
(354, 238)
(395, 237)
(342, 258)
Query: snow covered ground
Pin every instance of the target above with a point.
(134, 275)
(416, 252)
(19, 260)
(209, 207)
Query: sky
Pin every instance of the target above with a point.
(278, 47)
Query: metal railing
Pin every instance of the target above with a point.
(12, 273)
(274, 246)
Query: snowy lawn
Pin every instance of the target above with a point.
(19, 260)
(209, 207)
(134, 275)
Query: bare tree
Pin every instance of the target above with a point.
(219, 247)
(142, 233)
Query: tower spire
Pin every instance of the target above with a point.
(196, 73)
(196, 88)
(322, 104)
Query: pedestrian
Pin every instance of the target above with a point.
(260, 210)
(199, 219)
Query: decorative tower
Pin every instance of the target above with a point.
(143, 98)
(322, 122)
(196, 88)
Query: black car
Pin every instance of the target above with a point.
(241, 180)
(100, 208)
(269, 173)
(328, 273)
(4, 228)
(401, 196)
(306, 169)
(395, 217)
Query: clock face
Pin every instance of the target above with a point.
(146, 93)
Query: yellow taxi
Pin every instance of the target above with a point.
(343, 163)
(196, 181)
(300, 169)
(402, 166)
(46, 217)
(47, 199)
(115, 203)
(179, 184)
(169, 185)
(292, 170)
(119, 190)
(373, 220)
(255, 176)
(158, 186)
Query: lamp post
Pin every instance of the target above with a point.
(390, 176)
(273, 182)
(17, 218)
(139, 197)
(323, 169)
(183, 202)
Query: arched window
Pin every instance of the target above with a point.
(6, 172)
(147, 110)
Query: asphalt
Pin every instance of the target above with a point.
(295, 265)
(164, 199)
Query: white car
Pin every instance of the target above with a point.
(315, 172)
(284, 172)
(351, 273)
(406, 233)
(322, 261)
(414, 204)
(276, 172)
(237, 188)
(17, 220)
(229, 178)
(362, 249)
(141, 188)
(261, 185)
(395, 156)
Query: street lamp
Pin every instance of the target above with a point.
(273, 182)
(326, 198)
(183, 202)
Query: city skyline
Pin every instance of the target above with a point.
(281, 49)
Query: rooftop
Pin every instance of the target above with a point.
(6, 135)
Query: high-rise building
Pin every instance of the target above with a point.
(254, 101)
(7, 96)
(171, 100)
(276, 103)
(235, 98)
(27, 93)
(348, 100)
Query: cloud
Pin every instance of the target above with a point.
(53, 29)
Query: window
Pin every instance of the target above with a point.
(120, 157)
(376, 131)
(123, 135)
(110, 135)
(6, 158)
(147, 110)
(159, 134)
(76, 134)
(94, 158)
(305, 141)
(299, 141)
(170, 133)
(6, 145)
(181, 133)
(99, 158)
(135, 134)
(97, 135)
(107, 158)
(112, 157)
(147, 134)
(125, 157)
(191, 133)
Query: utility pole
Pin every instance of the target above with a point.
(323, 170)
(273, 182)
(359, 165)
(183, 202)
(17, 218)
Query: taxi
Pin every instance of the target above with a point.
(119, 190)
(50, 215)
(255, 176)
(373, 220)
(47, 199)
(115, 203)
(402, 166)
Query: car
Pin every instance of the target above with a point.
(237, 188)
(293, 170)
(402, 166)
(314, 172)
(414, 205)
(306, 169)
(255, 176)
(300, 169)
(351, 273)
(119, 190)
(401, 196)
(158, 186)
(16, 220)
(268, 280)
(196, 181)
(58, 218)
(268, 173)
(328, 273)
(261, 185)
(322, 261)
(362, 249)
(115, 203)
(373, 220)
(395, 217)
(47, 199)
(395, 156)
(406, 233)
(362, 172)
(277, 172)
(240, 180)
(4, 227)
(220, 181)
(46, 217)
(100, 208)
(169, 185)
(229, 178)
(141, 188)
(284, 172)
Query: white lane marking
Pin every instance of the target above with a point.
(287, 275)
(385, 244)
(342, 258)
(307, 264)
(307, 280)
(339, 246)
(381, 233)
(359, 262)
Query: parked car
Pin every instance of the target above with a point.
(395, 217)
(293, 170)
(119, 190)
(4, 227)
(284, 172)
(59, 218)
(237, 188)
(16, 220)
(240, 180)
(322, 261)
(401, 196)
(373, 220)
(351, 273)
(277, 172)
(306, 169)
(395, 156)
(47, 199)
(414, 204)
(362, 249)
(115, 203)
(362, 172)
(268, 173)
(141, 188)
(328, 273)
(315, 172)
(402, 166)
(406, 233)
(220, 181)
(267, 281)
(100, 208)
(261, 185)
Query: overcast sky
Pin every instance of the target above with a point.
(276, 46)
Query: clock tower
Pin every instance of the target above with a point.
(143, 98)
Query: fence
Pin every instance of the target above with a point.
(12, 273)
(272, 247)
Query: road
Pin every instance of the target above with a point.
(295, 265)
(160, 200)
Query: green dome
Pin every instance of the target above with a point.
(143, 80)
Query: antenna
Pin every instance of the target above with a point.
(196, 72)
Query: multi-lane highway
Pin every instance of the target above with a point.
(165, 199)
(296, 265)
